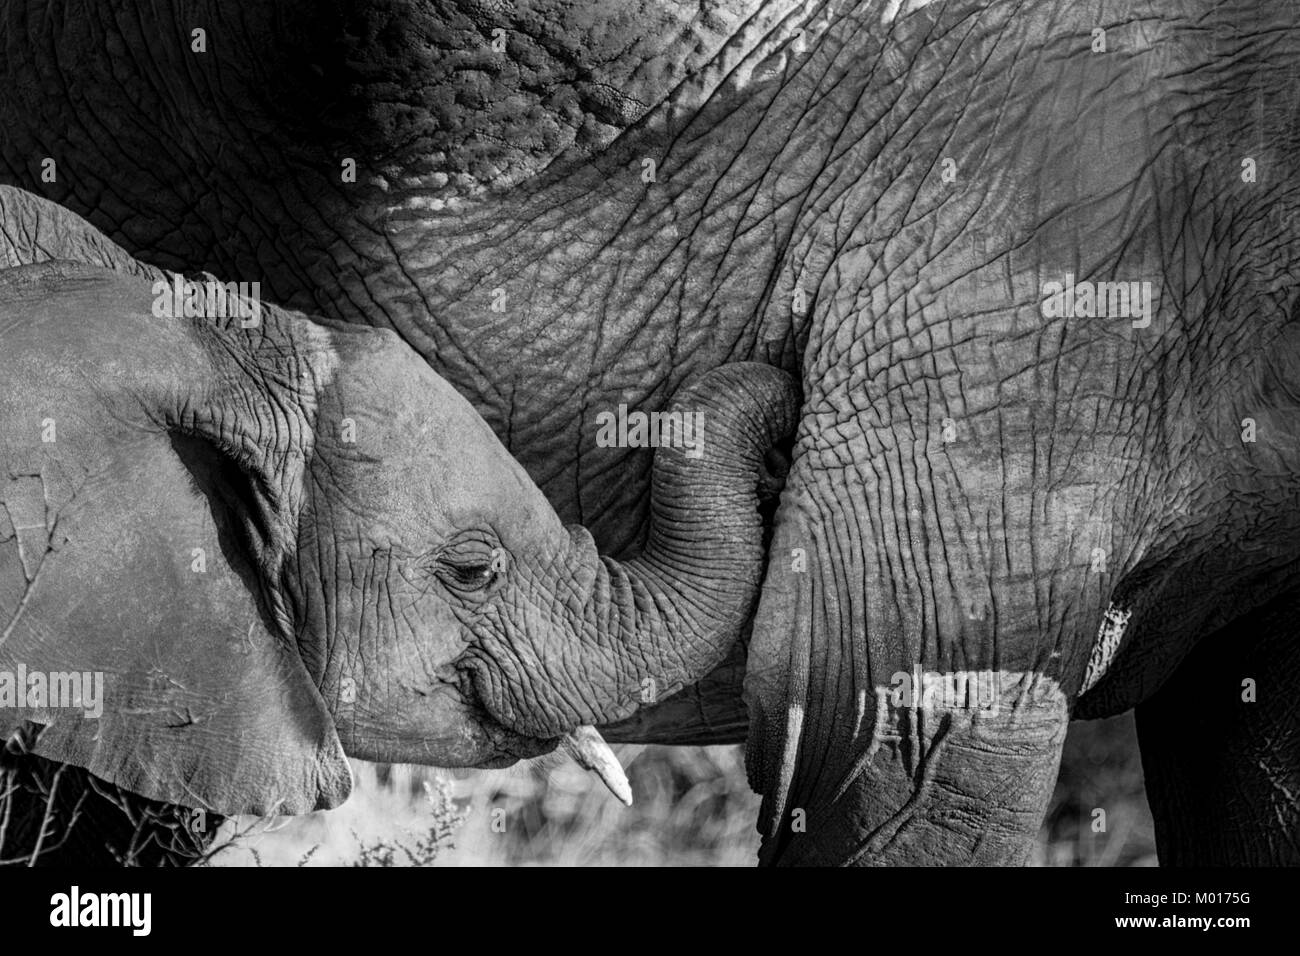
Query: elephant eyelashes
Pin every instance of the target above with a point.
(470, 566)
(466, 577)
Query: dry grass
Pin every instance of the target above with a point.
(692, 807)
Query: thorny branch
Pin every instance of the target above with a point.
(122, 827)
(53, 518)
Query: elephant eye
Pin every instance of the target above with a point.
(470, 566)
(467, 577)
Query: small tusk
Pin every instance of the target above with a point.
(586, 746)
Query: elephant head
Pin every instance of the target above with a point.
(278, 542)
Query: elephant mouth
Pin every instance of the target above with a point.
(584, 744)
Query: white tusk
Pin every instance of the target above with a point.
(586, 746)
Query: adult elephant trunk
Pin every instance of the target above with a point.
(651, 625)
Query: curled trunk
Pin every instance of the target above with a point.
(649, 626)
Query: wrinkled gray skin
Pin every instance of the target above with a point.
(284, 543)
(804, 147)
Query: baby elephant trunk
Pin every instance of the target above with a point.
(617, 636)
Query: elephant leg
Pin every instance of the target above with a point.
(1222, 769)
(953, 782)
(872, 740)
(958, 781)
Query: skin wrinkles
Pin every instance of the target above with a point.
(923, 303)
(1132, 494)
(608, 512)
(400, 476)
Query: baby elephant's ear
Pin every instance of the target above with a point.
(143, 503)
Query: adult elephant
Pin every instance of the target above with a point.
(997, 483)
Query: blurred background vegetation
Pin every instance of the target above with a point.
(692, 807)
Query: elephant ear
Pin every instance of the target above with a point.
(145, 505)
(33, 229)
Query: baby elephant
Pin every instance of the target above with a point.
(237, 544)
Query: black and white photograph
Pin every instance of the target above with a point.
(650, 433)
